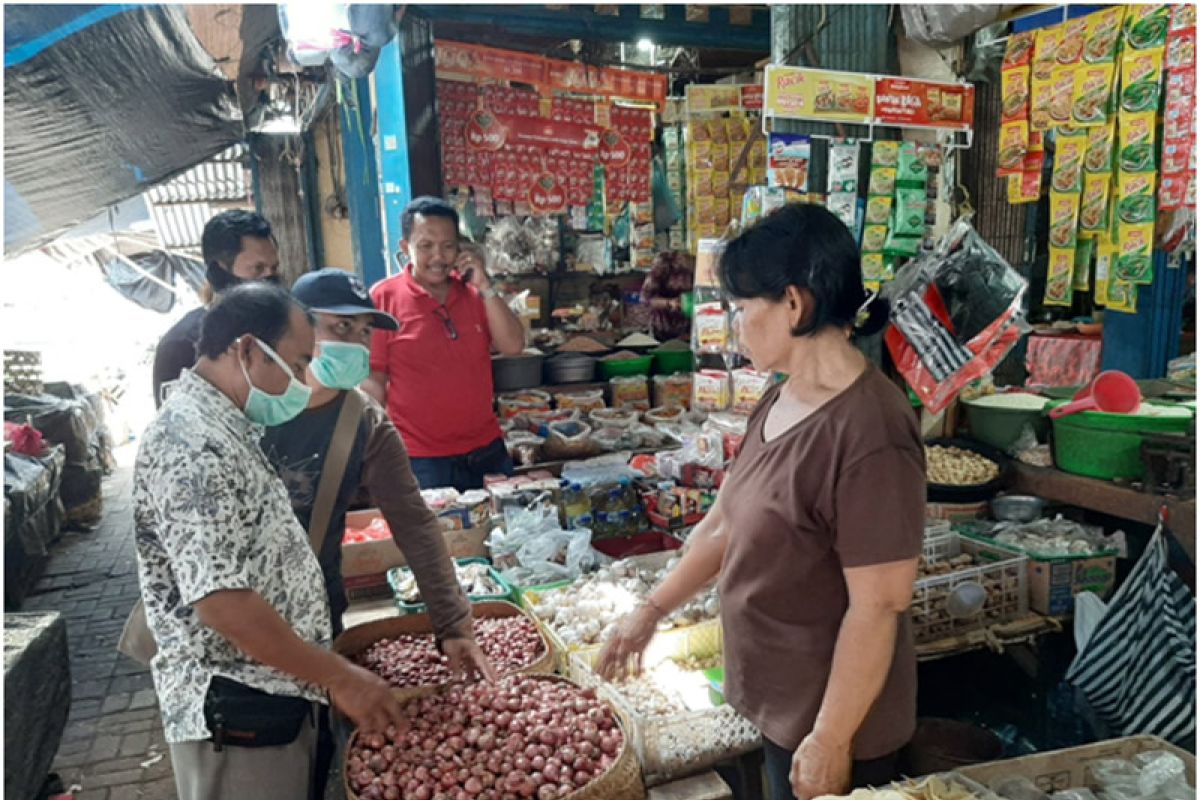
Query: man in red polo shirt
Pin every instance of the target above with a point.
(434, 375)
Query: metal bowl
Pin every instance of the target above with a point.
(1017, 507)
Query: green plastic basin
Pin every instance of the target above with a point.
(626, 366)
(1109, 446)
(1000, 426)
(667, 362)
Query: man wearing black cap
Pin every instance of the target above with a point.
(377, 464)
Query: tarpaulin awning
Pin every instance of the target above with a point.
(102, 102)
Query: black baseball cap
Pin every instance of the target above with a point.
(336, 291)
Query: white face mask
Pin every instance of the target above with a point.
(275, 409)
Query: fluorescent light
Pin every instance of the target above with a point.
(645, 45)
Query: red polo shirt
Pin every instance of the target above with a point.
(439, 392)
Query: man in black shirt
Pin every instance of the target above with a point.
(237, 246)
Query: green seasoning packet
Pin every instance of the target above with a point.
(912, 170)
(1082, 280)
(909, 215)
(902, 245)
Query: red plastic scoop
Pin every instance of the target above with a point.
(1112, 392)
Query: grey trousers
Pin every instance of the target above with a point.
(264, 773)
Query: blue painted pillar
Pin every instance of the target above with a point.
(391, 147)
(1141, 344)
(362, 181)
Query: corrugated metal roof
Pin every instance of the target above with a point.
(221, 178)
(181, 224)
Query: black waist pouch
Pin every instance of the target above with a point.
(488, 458)
(241, 716)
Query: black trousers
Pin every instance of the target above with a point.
(876, 772)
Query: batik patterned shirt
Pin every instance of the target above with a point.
(212, 515)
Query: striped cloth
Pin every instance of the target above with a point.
(935, 346)
(1138, 668)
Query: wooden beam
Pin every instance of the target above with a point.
(1110, 498)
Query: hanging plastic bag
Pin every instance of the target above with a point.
(312, 30)
(956, 312)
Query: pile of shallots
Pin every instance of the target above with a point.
(408, 660)
(515, 739)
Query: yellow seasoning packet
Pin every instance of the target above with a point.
(1064, 219)
(1068, 162)
(872, 266)
(1061, 98)
(1141, 80)
(1134, 260)
(1014, 143)
(1014, 87)
(1059, 274)
(1103, 34)
(1045, 50)
(1121, 296)
(1093, 209)
(1091, 93)
(1099, 156)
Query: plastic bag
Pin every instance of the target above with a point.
(567, 440)
(704, 449)
(311, 30)
(941, 25)
(957, 311)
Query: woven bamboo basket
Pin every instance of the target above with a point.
(623, 781)
(354, 640)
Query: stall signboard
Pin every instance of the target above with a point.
(487, 131)
(924, 104)
(455, 59)
(819, 95)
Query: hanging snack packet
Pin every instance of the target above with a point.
(1014, 143)
(879, 210)
(1183, 16)
(1105, 251)
(1014, 89)
(912, 170)
(845, 207)
(885, 154)
(711, 325)
(883, 181)
(1137, 142)
(1045, 52)
(1019, 50)
(1082, 280)
(1068, 162)
(1093, 89)
(710, 390)
(1070, 48)
(1181, 49)
(1136, 191)
(1064, 219)
(1121, 296)
(843, 167)
(1059, 275)
(909, 216)
(1146, 26)
(1062, 99)
(1134, 262)
(897, 245)
(1093, 211)
(872, 267)
(1172, 192)
(874, 237)
(1103, 35)
(1141, 81)
(1100, 148)
(748, 389)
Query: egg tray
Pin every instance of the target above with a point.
(1001, 572)
(672, 746)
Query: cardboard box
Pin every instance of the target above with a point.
(376, 558)
(1054, 582)
(1059, 770)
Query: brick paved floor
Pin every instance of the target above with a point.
(113, 746)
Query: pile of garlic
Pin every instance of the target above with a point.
(588, 611)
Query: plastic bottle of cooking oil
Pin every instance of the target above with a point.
(577, 506)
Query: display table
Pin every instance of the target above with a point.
(1110, 498)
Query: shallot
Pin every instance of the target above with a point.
(410, 660)
(421, 763)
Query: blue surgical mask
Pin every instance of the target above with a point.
(341, 365)
(275, 409)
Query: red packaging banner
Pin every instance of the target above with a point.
(487, 131)
(910, 103)
(752, 97)
(614, 150)
(569, 76)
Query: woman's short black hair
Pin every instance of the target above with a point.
(426, 207)
(260, 309)
(806, 246)
(221, 240)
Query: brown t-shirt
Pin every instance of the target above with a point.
(843, 488)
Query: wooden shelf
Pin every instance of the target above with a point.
(1110, 498)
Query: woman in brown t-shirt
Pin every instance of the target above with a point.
(815, 535)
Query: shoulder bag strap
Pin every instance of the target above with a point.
(344, 431)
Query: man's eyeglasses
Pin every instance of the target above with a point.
(448, 324)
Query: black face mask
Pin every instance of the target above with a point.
(222, 279)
